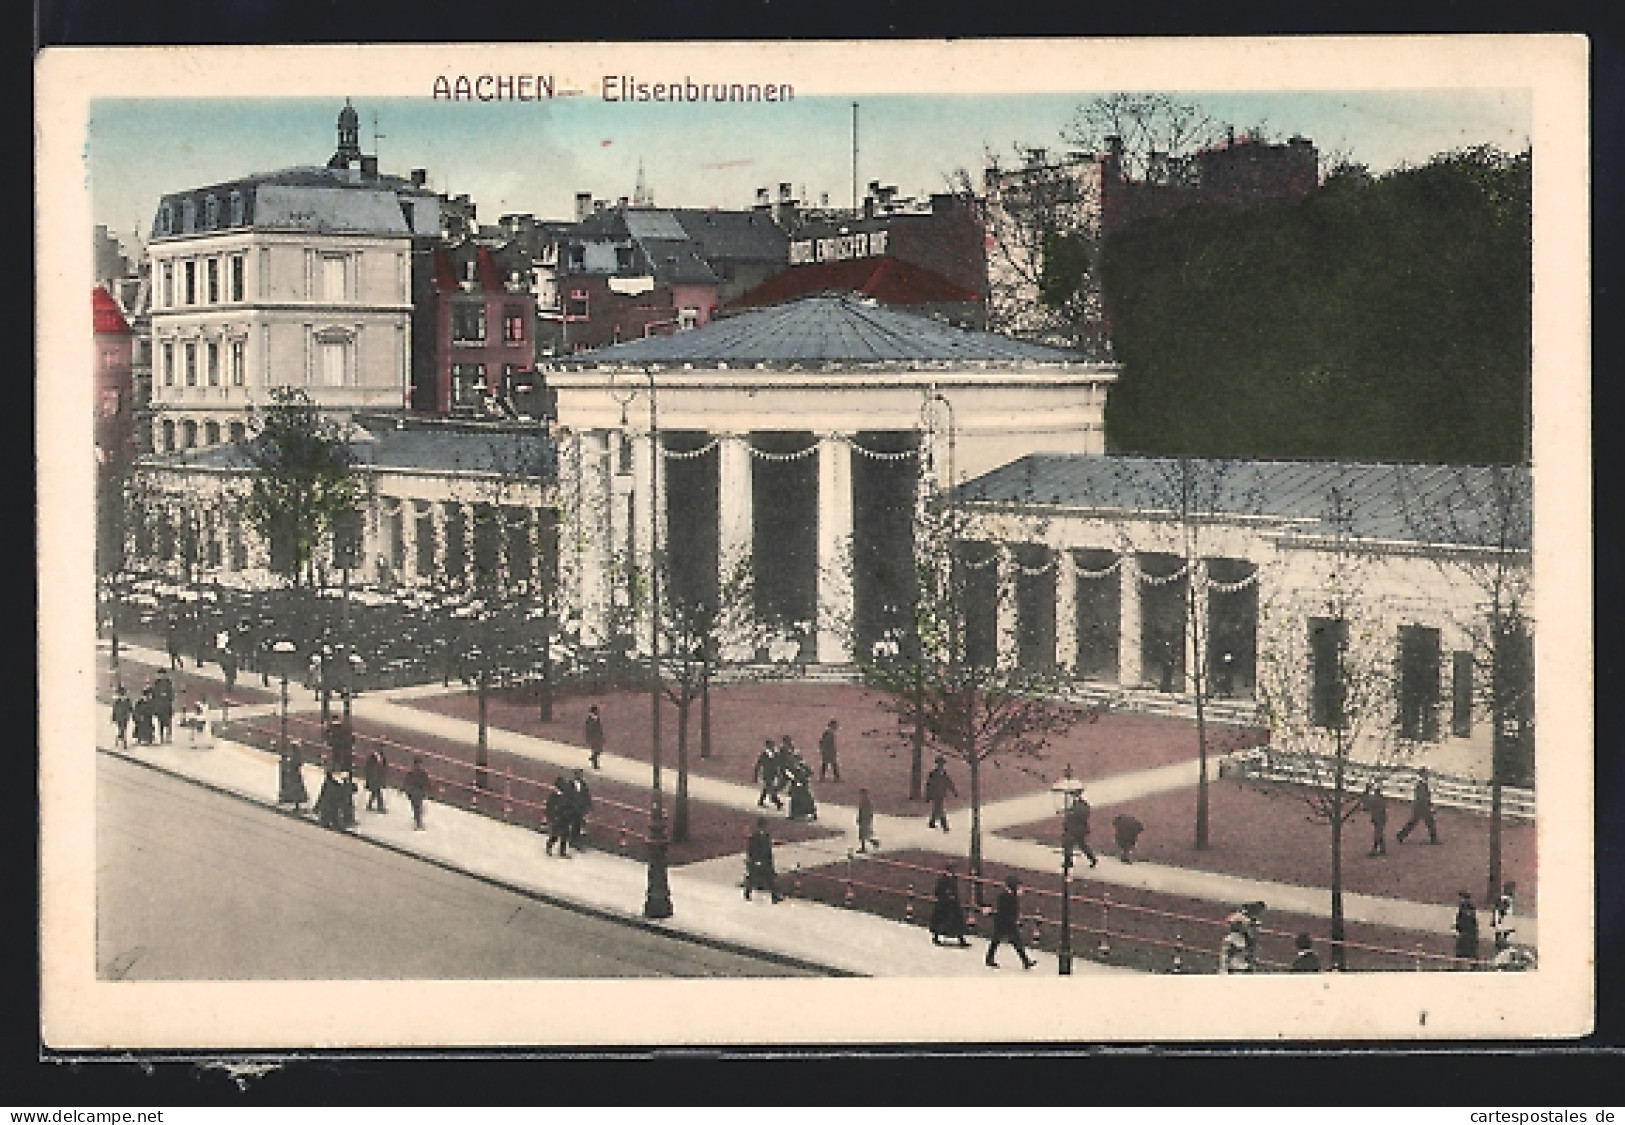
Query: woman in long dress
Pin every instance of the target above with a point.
(291, 780)
(947, 915)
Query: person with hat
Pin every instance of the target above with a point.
(1007, 924)
(1375, 803)
(558, 818)
(1421, 809)
(416, 788)
(163, 705)
(866, 822)
(595, 735)
(143, 713)
(938, 788)
(578, 806)
(1466, 927)
(1305, 960)
(375, 772)
(1076, 827)
(123, 712)
(759, 872)
(827, 761)
(767, 771)
(947, 915)
(291, 779)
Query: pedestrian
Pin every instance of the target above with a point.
(595, 735)
(172, 642)
(866, 822)
(1421, 809)
(416, 788)
(1376, 806)
(329, 808)
(228, 667)
(143, 714)
(1127, 830)
(1235, 949)
(163, 705)
(938, 788)
(802, 805)
(759, 873)
(1007, 924)
(347, 788)
(827, 761)
(767, 772)
(376, 774)
(123, 712)
(340, 746)
(1466, 927)
(947, 915)
(1076, 827)
(291, 779)
(558, 817)
(196, 722)
(1305, 960)
(580, 804)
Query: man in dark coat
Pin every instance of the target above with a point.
(947, 915)
(376, 774)
(938, 788)
(1007, 924)
(340, 746)
(172, 642)
(142, 714)
(123, 712)
(767, 771)
(291, 779)
(759, 873)
(416, 788)
(329, 807)
(1077, 827)
(228, 667)
(558, 817)
(595, 735)
(866, 822)
(580, 804)
(827, 761)
(1421, 810)
(1376, 806)
(1466, 927)
(163, 705)
(347, 789)
(1127, 830)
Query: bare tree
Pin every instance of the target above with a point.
(1157, 133)
(1480, 520)
(1327, 689)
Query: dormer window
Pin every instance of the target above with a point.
(236, 208)
(211, 212)
(166, 220)
(188, 216)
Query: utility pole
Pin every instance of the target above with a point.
(854, 156)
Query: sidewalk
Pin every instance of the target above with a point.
(910, 833)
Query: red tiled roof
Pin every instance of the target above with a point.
(891, 281)
(109, 318)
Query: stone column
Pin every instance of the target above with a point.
(590, 540)
(834, 548)
(1196, 632)
(1007, 612)
(736, 527)
(1066, 612)
(1129, 672)
(409, 541)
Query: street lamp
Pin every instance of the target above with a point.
(282, 656)
(1066, 792)
(657, 895)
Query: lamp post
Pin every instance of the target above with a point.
(283, 653)
(1066, 793)
(657, 895)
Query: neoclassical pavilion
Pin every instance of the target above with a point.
(791, 444)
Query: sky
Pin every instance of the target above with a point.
(533, 157)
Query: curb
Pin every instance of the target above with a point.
(723, 944)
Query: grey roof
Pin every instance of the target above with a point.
(1448, 504)
(654, 224)
(512, 451)
(323, 200)
(740, 236)
(675, 261)
(825, 328)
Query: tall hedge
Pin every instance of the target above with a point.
(1383, 318)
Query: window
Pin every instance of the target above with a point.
(211, 433)
(1461, 694)
(169, 285)
(191, 283)
(1419, 683)
(332, 278)
(238, 432)
(189, 434)
(213, 274)
(236, 208)
(188, 216)
(577, 308)
(237, 277)
(169, 364)
(467, 323)
(239, 362)
(513, 324)
(166, 220)
(213, 365)
(467, 384)
(333, 363)
(169, 436)
(623, 259)
(687, 319)
(211, 212)
(191, 364)
(1328, 638)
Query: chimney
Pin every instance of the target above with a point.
(621, 203)
(420, 177)
(762, 199)
(784, 193)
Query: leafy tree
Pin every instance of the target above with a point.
(1384, 318)
(304, 478)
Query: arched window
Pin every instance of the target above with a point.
(166, 220)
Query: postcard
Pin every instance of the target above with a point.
(841, 543)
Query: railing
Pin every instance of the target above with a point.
(1264, 764)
